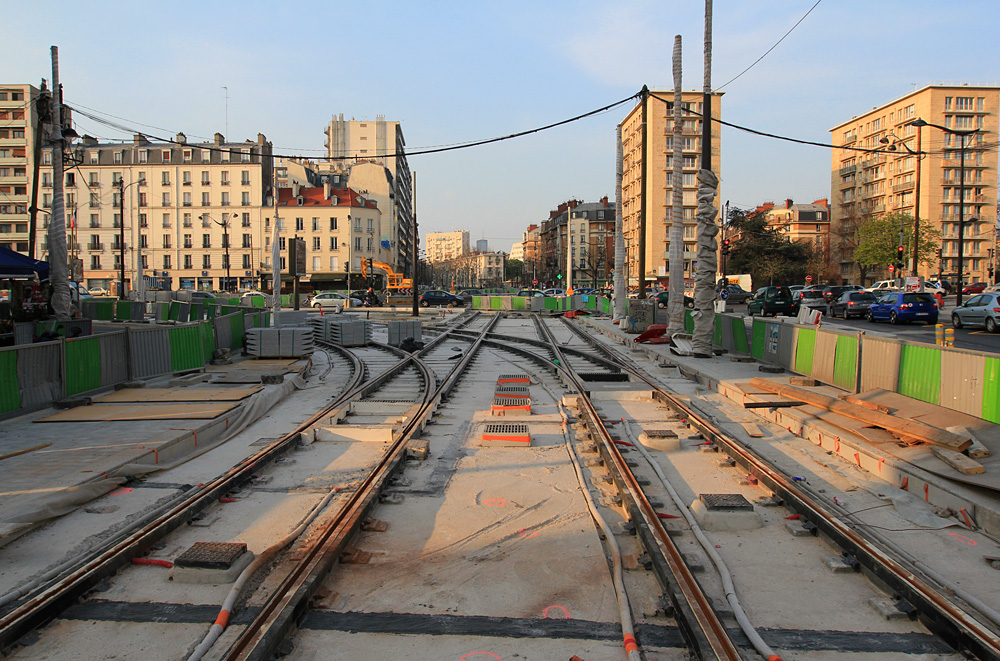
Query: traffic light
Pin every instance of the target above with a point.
(370, 267)
(725, 247)
(899, 254)
(559, 277)
(364, 267)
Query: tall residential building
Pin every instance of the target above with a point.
(445, 246)
(18, 128)
(591, 235)
(531, 242)
(658, 189)
(868, 184)
(381, 142)
(184, 203)
(805, 223)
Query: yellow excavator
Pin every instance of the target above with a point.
(395, 282)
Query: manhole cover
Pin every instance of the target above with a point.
(660, 433)
(211, 555)
(725, 502)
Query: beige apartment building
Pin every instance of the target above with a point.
(188, 208)
(18, 127)
(802, 223)
(351, 141)
(658, 188)
(446, 246)
(891, 177)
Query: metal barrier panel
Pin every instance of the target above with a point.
(236, 331)
(961, 380)
(10, 389)
(845, 366)
(150, 351)
(83, 365)
(759, 329)
(688, 322)
(207, 341)
(195, 313)
(879, 363)
(223, 332)
(24, 332)
(212, 311)
(920, 373)
(551, 304)
(495, 302)
(123, 311)
(186, 351)
(805, 349)
(518, 303)
(779, 344)
(991, 390)
(739, 331)
(536, 303)
(39, 373)
(824, 355)
(160, 311)
(138, 310)
(113, 357)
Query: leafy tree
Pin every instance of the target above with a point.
(879, 240)
(514, 271)
(596, 264)
(763, 252)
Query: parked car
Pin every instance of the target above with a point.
(439, 297)
(771, 301)
(201, 296)
(902, 307)
(852, 304)
(974, 288)
(663, 297)
(555, 291)
(99, 291)
(530, 292)
(332, 299)
(78, 291)
(980, 310)
(833, 292)
(737, 295)
(467, 294)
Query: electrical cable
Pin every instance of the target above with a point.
(771, 48)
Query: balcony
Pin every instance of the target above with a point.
(851, 139)
(95, 247)
(899, 188)
(850, 169)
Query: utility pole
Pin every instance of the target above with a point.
(42, 102)
(121, 238)
(641, 293)
(415, 251)
(58, 267)
(916, 210)
(619, 297)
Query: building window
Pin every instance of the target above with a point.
(225, 199)
(206, 199)
(142, 200)
(166, 199)
(187, 241)
(95, 200)
(187, 261)
(371, 244)
(357, 243)
(165, 178)
(166, 240)
(94, 157)
(316, 266)
(246, 220)
(316, 244)
(143, 156)
(205, 181)
(186, 178)
(333, 243)
(246, 261)
(206, 261)
(95, 262)
(142, 220)
(246, 240)
(245, 199)
(225, 178)
(206, 240)
(245, 156)
(333, 263)
(143, 241)
(245, 177)
(166, 262)
(187, 199)
(333, 224)
(299, 225)
(206, 155)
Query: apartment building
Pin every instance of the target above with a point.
(584, 234)
(381, 142)
(340, 228)
(446, 246)
(808, 223)
(192, 211)
(479, 269)
(660, 173)
(19, 126)
(883, 164)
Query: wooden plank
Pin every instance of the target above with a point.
(851, 399)
(802, 381)
(912, 428)
(958, 461)
(752, 430)
(755, 403)
(977, 450)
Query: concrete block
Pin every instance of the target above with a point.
(352, 433)
(714, 519)
(838, 564)
(797, 528)
(665, 440)
(203, 576)
(71, 402)
(887, 608)
(418, 448)
(188, 379)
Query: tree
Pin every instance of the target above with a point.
(763, 252)
(596, 264)
(514, 271)
(879, 241)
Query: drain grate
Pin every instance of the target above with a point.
(725, 502)
(659, 433)
(603, 376)
(211, 555)
(518, 392)
(506, 434)
(513, 378)
(506, 428)
(515, 402)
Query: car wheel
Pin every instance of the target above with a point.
(991, 324)
(424, 304)
(750, 311)
(893, 319)
(956, 321)
(689, 306)
(317, 306)
(661, 305)
(870, 317)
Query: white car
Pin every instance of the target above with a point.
(331, 299)
(99, 291)
(555, 291)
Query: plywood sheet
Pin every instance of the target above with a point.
(177, 395)
(261, 364)
(126, 412)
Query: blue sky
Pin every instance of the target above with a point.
(459, 71)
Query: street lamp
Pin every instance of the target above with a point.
(916, 193)
(225, 244)
(121, 231)
(961, 197)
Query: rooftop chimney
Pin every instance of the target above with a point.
(219, 138)
(182, 139)
(326, 189)
(139, 139)
(788, 203)
(295, 189)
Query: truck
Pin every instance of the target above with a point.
(395, 282)
(743, 280)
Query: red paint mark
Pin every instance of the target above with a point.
(836, 445)
(471, 656)
(495, 502)
(527, 534)
(565, 612)
(121, 492)
(664, 515)
(962, 539)
(905, 485)
(880, 461)
(793, 517)
(227, 500)
(968, 521)
(857, 458)
(152, 561)
(927, 492)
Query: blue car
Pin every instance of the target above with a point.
(903, 307)
(440, 297)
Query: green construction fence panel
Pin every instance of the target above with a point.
(759, 332)
(606, 305)
(717, 334)
(207, 340)
(211, 310)
(991, 390)
(236, 331)
(83, 365)
(920, 373)
(688, 322)
(805, 347)
(551, 304)
(478, 302)
(518, 303)
(496, 303)
(845, 362)
(186, 351)
(123, 310)
(739, 335)
(590, 302)
(175, 311)
(286, 301)
(105, 309)
(258, 301)
(10, 388)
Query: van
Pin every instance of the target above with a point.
(883, 286)
(770, 301)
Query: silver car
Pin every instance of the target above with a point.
(852, 304)
(980, 310)
(329, 299)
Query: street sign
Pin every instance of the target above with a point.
(892, 268)
(809, 279)
(534, 282)
(724, 294)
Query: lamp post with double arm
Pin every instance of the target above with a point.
(224, 224)
(961, 197)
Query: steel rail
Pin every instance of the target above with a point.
(700, 625)
(940, 614)
(598, 360)
(260, 639)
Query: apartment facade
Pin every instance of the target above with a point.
(584, 234)
(479, 269)
(446, 246)
(192, 211)
(19, 125)
(340, 228)
(804, 223)
(381, 142)
(658, 191)
(891, 177)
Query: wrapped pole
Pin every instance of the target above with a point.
(276, 259)
(58, 264)
(620, 297)
(708, 184)
(675, 305)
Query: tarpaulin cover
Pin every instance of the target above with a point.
(14, 265)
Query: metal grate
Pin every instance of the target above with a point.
(508, 390)
(659, 433)
(506, 428)
(725, 502)
(603, 376)
(513, 378)
(211, 555)
(509, 401)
